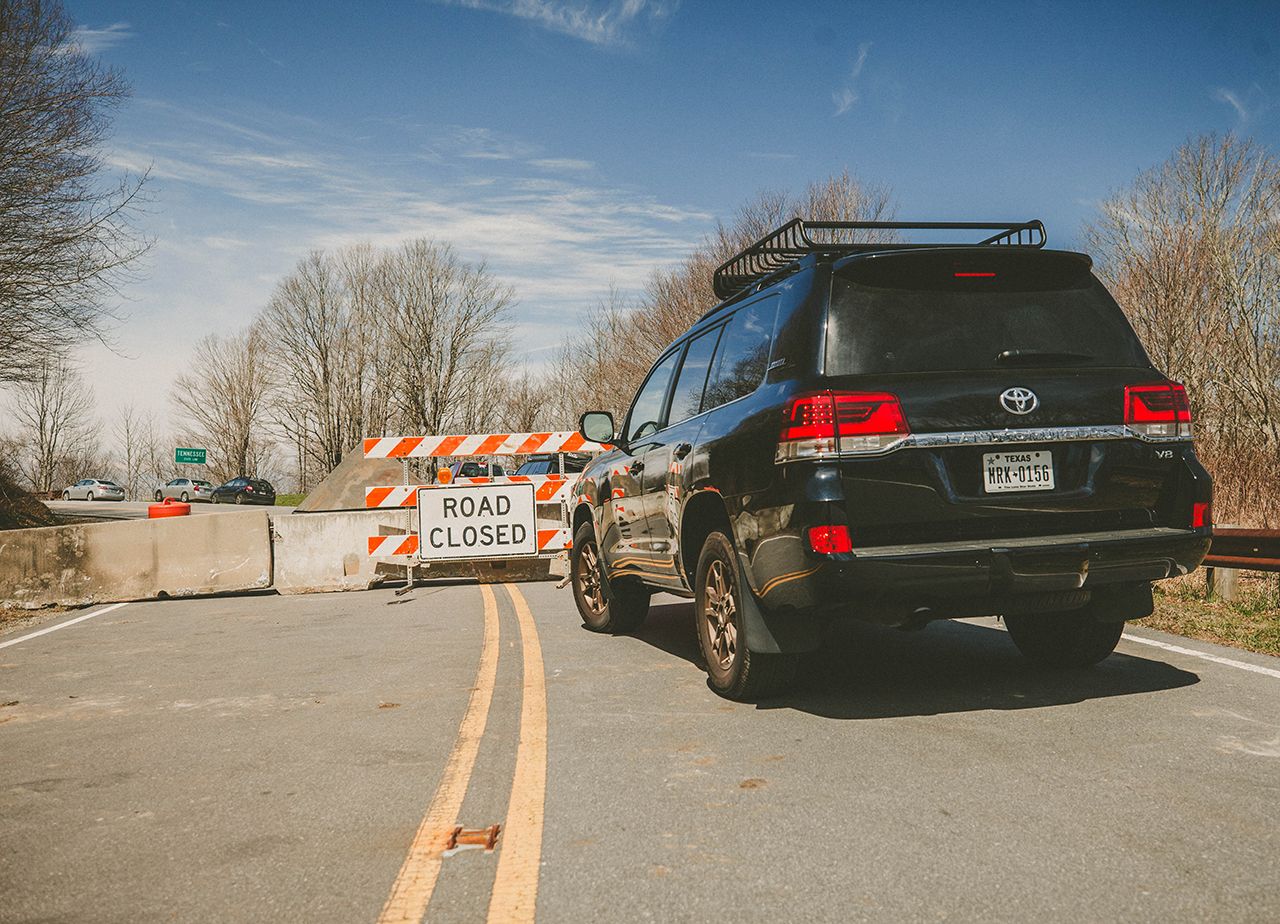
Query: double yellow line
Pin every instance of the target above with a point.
(515, 888)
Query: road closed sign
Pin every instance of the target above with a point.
(477, 521)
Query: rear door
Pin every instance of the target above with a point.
(1011, 370)
(625, 540)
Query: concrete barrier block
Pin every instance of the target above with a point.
(319, 552)
(135, 559)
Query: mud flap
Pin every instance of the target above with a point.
(776, 633)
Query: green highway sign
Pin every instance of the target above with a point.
(189, 456)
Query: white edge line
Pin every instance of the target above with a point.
(1243, 665)
(63, 625)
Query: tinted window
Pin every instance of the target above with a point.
(743, 356)
(541, 467)
(875, 330)
(646, 412)
(469, 470)
(686, 400)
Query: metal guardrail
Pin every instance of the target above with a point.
(1245, 549)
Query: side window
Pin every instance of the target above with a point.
(646, 411)
(744, 354)
(686, 400)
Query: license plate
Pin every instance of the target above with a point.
(1017, 471)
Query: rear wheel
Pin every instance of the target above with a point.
(185, 498)
(1075, 639)
(734, 670)
(616, 607)
(159, 497)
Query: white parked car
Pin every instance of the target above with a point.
(94, 489)
(185, 489)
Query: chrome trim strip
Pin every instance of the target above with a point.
(1002, 438)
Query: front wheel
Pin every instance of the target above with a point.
(616, 607)
(66, 495)
(90, 497)
(159, 497)
(239, 498)
(734, 671)
(185, 498)
(1075, 639)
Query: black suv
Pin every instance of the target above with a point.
(895, 433)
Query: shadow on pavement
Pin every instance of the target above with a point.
(871, 672)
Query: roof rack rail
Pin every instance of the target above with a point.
(795, 239)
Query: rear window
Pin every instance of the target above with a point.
(975, 324)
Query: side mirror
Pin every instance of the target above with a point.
(596, 426)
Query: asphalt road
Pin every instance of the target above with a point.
(136, 510)
(300, 758)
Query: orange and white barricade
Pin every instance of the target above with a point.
(490, 513)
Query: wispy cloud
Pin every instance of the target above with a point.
(1247, 105)
(846, 96)
(599, 23)
(94, 41)
(569, 164)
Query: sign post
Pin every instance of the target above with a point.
(190, 456)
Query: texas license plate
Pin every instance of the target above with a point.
(1017, 471)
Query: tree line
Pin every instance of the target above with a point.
(414, 339)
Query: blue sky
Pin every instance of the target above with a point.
(576, 145)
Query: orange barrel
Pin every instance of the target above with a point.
(170, 508)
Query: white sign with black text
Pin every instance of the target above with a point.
(477, 521)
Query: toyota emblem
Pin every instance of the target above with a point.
(1019, 400)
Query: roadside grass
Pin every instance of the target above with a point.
(289, 500)
(1251, 621)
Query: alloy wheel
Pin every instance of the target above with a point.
(720, 614)
(589, 579)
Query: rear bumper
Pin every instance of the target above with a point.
(890, 583)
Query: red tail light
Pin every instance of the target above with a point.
(1201, 515)
(830, 540)
(1158, 411)
(841, 422)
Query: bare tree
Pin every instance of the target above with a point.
(1191, 251)
(54, 410)
(446, 343)
(128, 430)
(618, 342)
(65, 232)
(223, 397)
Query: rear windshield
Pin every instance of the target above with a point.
(877, 330)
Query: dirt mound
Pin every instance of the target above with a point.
(18, 509)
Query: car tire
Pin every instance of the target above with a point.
(214, 500)
(90, 496)
(1064, 640)
(239, 498)
(614, 607)
(66, 495)
(185, 499)
(159, 497)
(733, 670)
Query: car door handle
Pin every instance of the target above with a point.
(683, 449)
(636, 467)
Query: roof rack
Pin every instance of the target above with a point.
(778, 249)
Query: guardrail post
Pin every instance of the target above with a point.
(1223, 583)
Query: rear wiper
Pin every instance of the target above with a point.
(1040, 357)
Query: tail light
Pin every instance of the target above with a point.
(1158, 411)
(831, 423)
(1201, 515)
(830, 540)
(249, 488)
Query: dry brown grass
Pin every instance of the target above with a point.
(1251, 622)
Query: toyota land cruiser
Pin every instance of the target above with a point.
(896, 433)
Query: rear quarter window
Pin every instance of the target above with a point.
(743, 356)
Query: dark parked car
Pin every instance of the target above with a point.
(244, 490)
(470, 468)
(550, 465)
(894, 433)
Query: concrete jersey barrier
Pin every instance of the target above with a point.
(135, 560)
